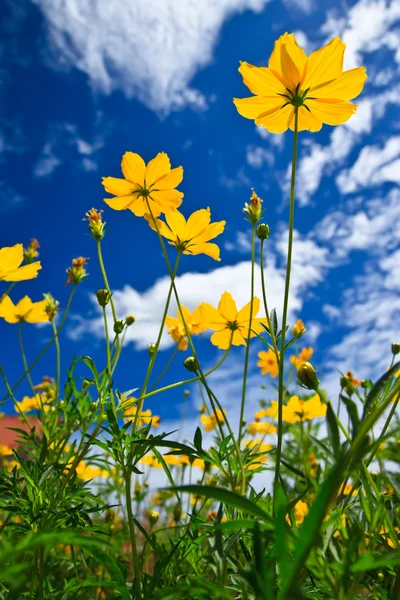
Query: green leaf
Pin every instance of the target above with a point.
(352, 411)
(333, 430)
(198, 438)
(369, 561)
(274, 320)
(378, 388)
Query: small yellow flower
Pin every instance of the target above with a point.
(299, 410)
(258, 447)
(176, 328)
(268, 363)
(155, 184)
(5, 450)
(129, 407)
(210, 421)
(298, 329)
(258, 428)
(316, 85)
(77, 271)
(194, 462)
(10, 261)
(229, 323)
(37, 402)
(304, 356)
(96, 223)
(300, 511)
(51, 306)
(191, 236)
(25, 310)
(151, 461)
(87, 472)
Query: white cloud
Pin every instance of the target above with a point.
(305, 6)
(276, 140)
(375, 165)
(10, 199)
(257, 157)
(149, 50)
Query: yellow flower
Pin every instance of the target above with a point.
(25, 310)
(191, 236)
(37, 402)
(196, 462)
(257, 447)
(261, 428)
(304, 356)
(77, 271)
(229, 323)
(176, 328)
(151, 461)
(298, 328)
(300, 511)
(10, 269)
(317, 85)
(155, 184)
(129, 406)
(5, 450)
(210, 421)
(87, 472)
(268, 363)
(299, 410)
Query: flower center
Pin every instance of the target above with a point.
(232, 325)
(297, 97)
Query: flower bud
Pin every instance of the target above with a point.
(177, 513)
(96, 224)
(118, 327)
(254, 209)
(103, 297)
(151, 349)
(76, 272)
(262, 231)
(307, 376)
(395, 348)
(130, 319)
(191, 364)
(31, 252)
(153, 517)
(51, 306)
(186, 393)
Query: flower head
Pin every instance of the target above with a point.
(258, 453)
(304, 356)
(154, 184)
(191, 236)
(25, 310)
(96, 223)
(268, 363)
(261, 428)
(10, 269)
(129, 407)
(298, 329)
(210, 422)
(31, 252)
(51, 306)
(316, 86)
(176, 328)
(299, 410)
(36, 402)
(300, 511)
(76, 272)
(229, 324)
(254, 209)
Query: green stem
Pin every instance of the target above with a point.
(58, 357)
(25, 362)
(247, 352)
(108, 354)
(44, 349)
(135, 556)
(286, 301)
(264, 293)
(165, 369)
(7, 292)
(11, 395)
(384, 430)
(41, 573)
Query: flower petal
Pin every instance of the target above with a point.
(290, 72)
(211, 250)
(325, 64)
(120, 202)
(331, 112)
(261, 80)
(7, 310)
(307, 121)
(162, 228)
(277, 121)
(177, 223)
(346, 87)
(196, 223)
(212, 319)
(222, 339)
(134, 168)
(167, 199)
(275, 62)
(170, 181)
(37, 314)
(244, 314)
(227, 307)
(257, 106)
(117, 186)
(157, 168)
(11, 257)
(22, 273)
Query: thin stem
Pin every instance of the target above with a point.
(8, 290)
(16, 405)
(264, 293)
(384, 430)
(135, 556)
(108, 353)
(247, 352)
(58, 357)
(165, 369)
(25, 362)
(286, 300)
(20, 380)
(41, 573)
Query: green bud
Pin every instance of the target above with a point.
(395, 348)
(151, 349)
(307, 376)
(191, 364)
(177, 512)
(119, 327)
(130, 319)
(103, 297)
(186, 393)
(153, 517)
(263, 231)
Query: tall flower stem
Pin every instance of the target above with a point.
(135, 557)
(108, 353)
(286, 300)
(247, 352)
(21, 345)
(264, 293)
(58, 357)
(165, 369)
(384, 430)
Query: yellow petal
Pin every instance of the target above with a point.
(227, 307)
(257, 106)
(275, 62)
(346, 87)
(11, 257)
(211, 250)
(221, 339)
(196, 223)
(278, 121)
(297, 54)
(211, 317)
(140, 208)
(330, 112)
(170, 181)
(177, 223)
(157, 168)
(211, 231)
(167, 199)
(120, 203)
(23, 306)
(133, 168)
(290, 73)
(307, 121)
(117, 186)
(162, 228)
(22, 273)
(37, 314)
(244, 314)
(7, 310)
(238, 339)
(261, 80)
(324, 64)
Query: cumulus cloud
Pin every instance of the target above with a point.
(257, 157)
(149, 50)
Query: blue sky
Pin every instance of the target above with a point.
(83, 82)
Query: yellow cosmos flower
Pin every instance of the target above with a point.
(300, 511)
(151, 461)
(176, 328)
(258, 428)
(258, 447)
(154, 183)
(25, 310)
(298, 328)
(5, 450)
(299, 410)
(316, 84)
(191, 236)
(129, 408)
(268, 363)
(210, 421)
(10, 270)
(87, 472)
(229, 323)
(37, 402)
(304, 356)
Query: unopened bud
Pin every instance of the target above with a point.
(186, 393)
(263, 231)
(96, 224)
(191, 364)
(103, 297)
(153, 517)
(307, 376)
(119, 327)
(395, 348)
(254, 209)
(76, 272)
(130, 319)
(177, 512)
(51, 306)
(31, 252)
(151, 349)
